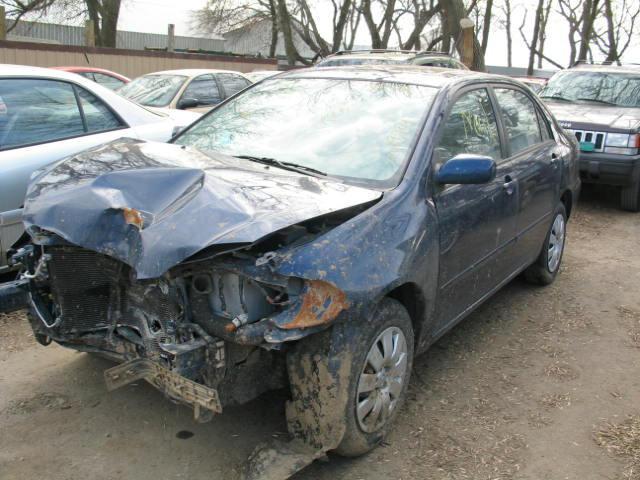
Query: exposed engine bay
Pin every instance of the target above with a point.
(205, 323)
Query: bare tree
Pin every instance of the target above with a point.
(453, 11)
(505, 21)
(103, 13)
(486, 26)
(590, 11)
(620, 25)
(542, 37)
(569, 10)
(532, 44)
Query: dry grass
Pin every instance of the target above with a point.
(560, 371)
(556, 400)
(623, 440)
(632, 318)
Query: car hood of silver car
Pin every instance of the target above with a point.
(594, 116)
(152, 205)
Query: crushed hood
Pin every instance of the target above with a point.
(593, 116)
(186, 200)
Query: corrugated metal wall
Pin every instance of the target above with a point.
(256, 39)
(68, 35)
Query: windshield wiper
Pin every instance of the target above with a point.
(595, 100)
(284, 165)
(556, 97)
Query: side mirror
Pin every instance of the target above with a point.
(467, 169)
(186, 103)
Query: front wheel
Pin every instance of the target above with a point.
(630, 197)
(547, 265)
(382, 366)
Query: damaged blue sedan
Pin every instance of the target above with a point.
(313, 233)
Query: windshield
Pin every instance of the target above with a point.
(620, 89)
(360, 131)
(338, 62)
(153, 90)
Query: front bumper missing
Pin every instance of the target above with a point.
(204, 400)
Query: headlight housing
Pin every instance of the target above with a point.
(622, 143)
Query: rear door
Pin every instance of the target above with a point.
(476, 222)
(205, 90)
(232, 83)
(532, 152)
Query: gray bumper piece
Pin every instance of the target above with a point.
(14, 295)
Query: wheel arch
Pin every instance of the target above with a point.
(567, 200)
(411, 297)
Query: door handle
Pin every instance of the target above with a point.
(509, 185)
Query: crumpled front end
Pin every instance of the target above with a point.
(208, 333)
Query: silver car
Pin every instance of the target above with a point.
(47, 115)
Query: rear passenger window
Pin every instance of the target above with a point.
(470, 128)
(36, 111)
(108, 81)
(520, 119)
(99, 117)
(231, 83)
(204, 89)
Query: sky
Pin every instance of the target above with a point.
(153, 16)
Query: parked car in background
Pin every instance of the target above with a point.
(391, 57)
(189, 89)
(283, 242)
(46, 115)
(534, 83)
(600, 105)
(258, 75)
(106, 78)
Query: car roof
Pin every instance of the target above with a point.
(192, 72)
(402, 73)
(9, 70)
(588, 67)
(90, 69)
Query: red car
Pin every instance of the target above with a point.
(104, 77)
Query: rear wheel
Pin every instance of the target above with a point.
(546, 267)
(382, 366)
(630, 197)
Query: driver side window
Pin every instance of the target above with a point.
(471, 128)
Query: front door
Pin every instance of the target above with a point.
(476, 222)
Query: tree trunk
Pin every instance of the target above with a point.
(543, 35)
(109, 27)
(612, 56)
(589, 13)
(507, 11)
(534, 40)
(454, 12)
(486, 26)
(285, 28)
(376, 41)
(340, 26)
(273, 45)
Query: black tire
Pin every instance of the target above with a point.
(540, 272)
(389, 314)
(630, 197)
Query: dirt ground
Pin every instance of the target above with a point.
(539, 383)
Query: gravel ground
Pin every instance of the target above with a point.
(539, 383)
